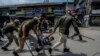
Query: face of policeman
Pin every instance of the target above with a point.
(73, 14)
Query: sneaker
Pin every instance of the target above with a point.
(66, 50)
(50, 50)
(5, 49)
(15, 53)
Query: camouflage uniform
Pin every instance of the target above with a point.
(64, 24)
(24, 35)
(8, 31)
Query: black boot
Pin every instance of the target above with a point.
(52, 38)
(15, 53)
(38, 49)
(4, 48)
(66, 50)
(50, 50)
(80, 37)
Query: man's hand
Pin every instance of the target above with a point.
(24, 37)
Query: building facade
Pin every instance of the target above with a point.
(95, 13)
(52, 10)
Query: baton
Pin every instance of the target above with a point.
(87, 37)
(29, 49)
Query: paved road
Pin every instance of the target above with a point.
(87, 47)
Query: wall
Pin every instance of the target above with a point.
(69, 6)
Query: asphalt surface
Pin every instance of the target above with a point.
(87, 47)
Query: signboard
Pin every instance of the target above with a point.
(58, 11)
(37, 11)
(13, 7)
(28, 13)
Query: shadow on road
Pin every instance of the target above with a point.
(41, 54)
(82, 41)
(25, 50)
(71, 54)
(65, 54)
(57, 50)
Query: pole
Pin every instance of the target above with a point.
(88, 37)
(29, 49)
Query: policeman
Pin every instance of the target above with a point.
(8, 31)
(24, 35)
(64, 24)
